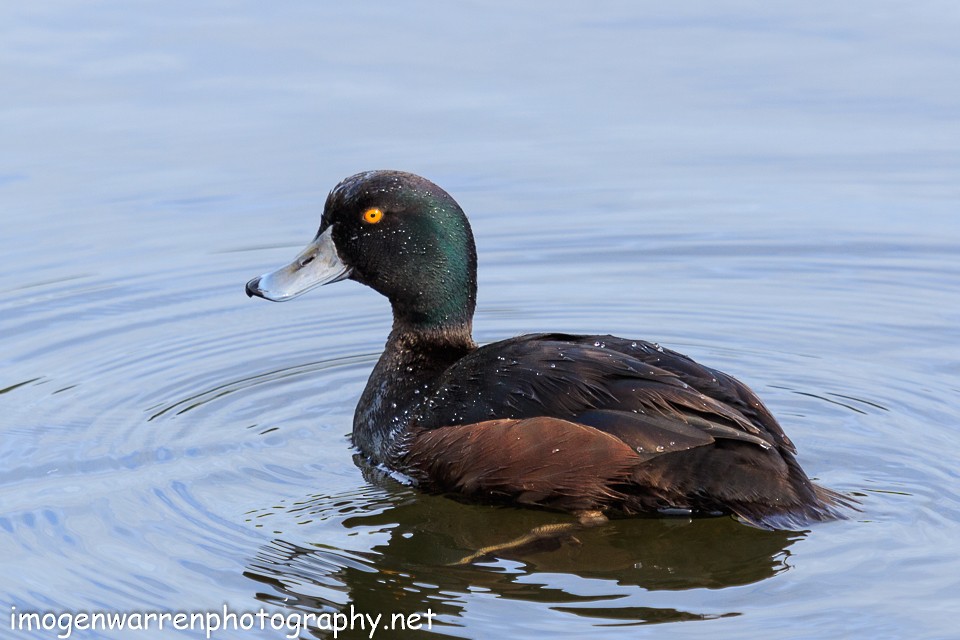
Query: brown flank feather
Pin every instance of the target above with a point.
(539, 461)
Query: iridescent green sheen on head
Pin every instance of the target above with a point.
(420, 253)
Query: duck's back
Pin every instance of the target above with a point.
(566, 376)
(642, 428)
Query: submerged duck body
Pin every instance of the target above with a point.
(569, 422)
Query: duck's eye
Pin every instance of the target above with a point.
(372, 215)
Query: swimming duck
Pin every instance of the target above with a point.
(589, 424)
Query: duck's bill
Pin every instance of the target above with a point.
(316, 265)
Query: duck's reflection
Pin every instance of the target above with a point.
(416, 538)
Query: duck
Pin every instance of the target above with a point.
(592, 425)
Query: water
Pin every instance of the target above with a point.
(772, 190)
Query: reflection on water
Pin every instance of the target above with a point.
(419, 539)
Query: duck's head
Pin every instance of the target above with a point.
(398, 233)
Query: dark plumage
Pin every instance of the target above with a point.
(576, 423)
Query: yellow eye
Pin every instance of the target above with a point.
(372, 216)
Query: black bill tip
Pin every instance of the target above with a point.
(253, 287)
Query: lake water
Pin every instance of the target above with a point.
(773, 190)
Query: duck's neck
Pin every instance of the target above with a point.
(433, 302)
(414, 358)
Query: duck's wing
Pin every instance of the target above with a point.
(654, 400)
(583, 422)
(712, 383)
